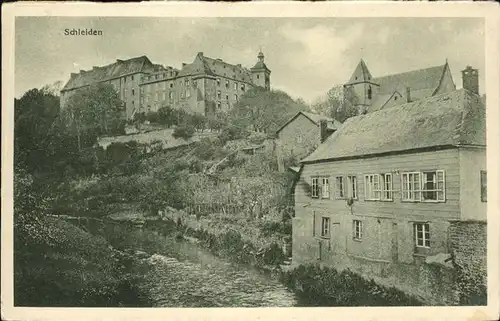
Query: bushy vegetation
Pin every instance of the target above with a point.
(321, 286)
(59, 264)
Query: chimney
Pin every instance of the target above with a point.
(73, 74)
(470, 79)
(200, 53)
(408, 95)
(323, 130)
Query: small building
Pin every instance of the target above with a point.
(300, 135)
(379, 195)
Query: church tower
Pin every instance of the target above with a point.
(260, 73)
(361, 90)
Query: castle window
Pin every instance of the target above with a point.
(188, 93)
(156, 76)
(227, 97)
(242, 87)
(235, 97)
(172, 85)
(218, 105)
(171, 95)
(258, 77)
(218, 81)
(395, 97)
(227, 83)
(133, 92)
(369, 92)
(235, 86)
(218, 94)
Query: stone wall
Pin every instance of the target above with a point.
(468, 240)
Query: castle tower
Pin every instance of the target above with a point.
(260, 73)
(361, 90)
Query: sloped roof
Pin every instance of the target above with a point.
(361, 73)
(215, 67)
(428, 78)
(450, 119)
(315, 118)
(114, 70)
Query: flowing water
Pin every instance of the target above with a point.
(183, 274)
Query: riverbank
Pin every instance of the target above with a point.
(63, 265)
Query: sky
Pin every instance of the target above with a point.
(307, 56)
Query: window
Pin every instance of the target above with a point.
(411, 187)
(218, 94)
(218, 105)
(172, 85)
(235, 97)
(433, 186)
(387, 187)
(369, 92)
(484, 186)
(314, 187)
(372, 187)
(422, 235)
(423, 186)
(125, 79)
(235, 86)
(133, 92)
(257, 76)
(195, 83)
(187, 82)
(132, 77)
(227, 83)
(125, 92)
(242, 87)
(171, 95)
(339, 187)
(227, 97)
(218, 81)
(357, 229)
(353, 186)
(325, 188)
(325, 227)
(188, 93)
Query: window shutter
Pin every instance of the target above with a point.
(364, 185)
(314, 223)
(440, 178)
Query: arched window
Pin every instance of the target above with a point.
(369, 92)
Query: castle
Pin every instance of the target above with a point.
(204, 86)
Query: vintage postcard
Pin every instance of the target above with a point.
(284, 161)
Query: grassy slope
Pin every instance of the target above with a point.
(62, 265)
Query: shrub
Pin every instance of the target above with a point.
(184, 131)
(317, 286)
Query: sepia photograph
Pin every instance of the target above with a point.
(248, 161)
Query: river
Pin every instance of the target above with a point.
(184, 274)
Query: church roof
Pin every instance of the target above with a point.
(361, 73)
(450, 119)
(111, 71)
(420, 79)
